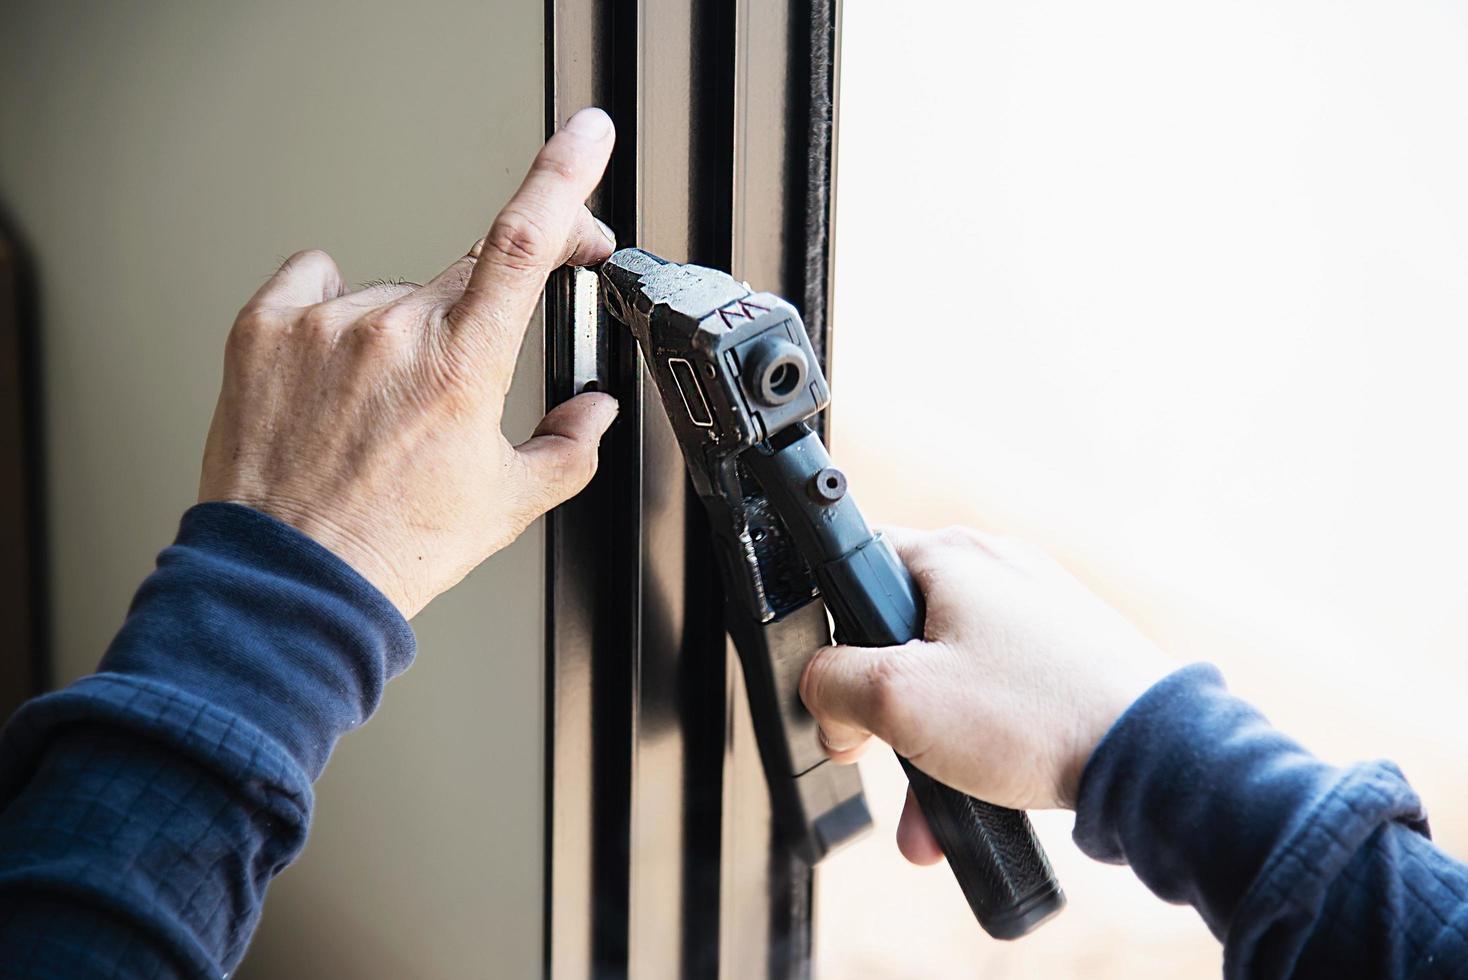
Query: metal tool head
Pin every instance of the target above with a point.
(735, 370)
(734, 367)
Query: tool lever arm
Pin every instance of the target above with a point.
(992, 850)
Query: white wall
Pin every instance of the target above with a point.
(1181, 292)
(161, 159)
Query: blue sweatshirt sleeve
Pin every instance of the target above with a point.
(145, 808)
(1300, 868)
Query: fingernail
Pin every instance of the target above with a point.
(607, 426)
(832, 746)
(590, 123)
(606, 231)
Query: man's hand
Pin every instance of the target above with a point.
(370, 420)
(1020, 673)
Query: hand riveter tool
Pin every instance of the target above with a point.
(741, 383)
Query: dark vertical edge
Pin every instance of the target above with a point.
(713, 133)
(618, 523)
(811, 152)
(831, 29)
(551, 315)
(24, 566)
(593, 543)
(704, 662)
(820, 185)
(702, 693)
(619, 527)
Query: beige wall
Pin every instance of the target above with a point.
(161, 158)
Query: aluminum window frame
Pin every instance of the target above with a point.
(660, 854)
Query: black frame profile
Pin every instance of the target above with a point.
(23, 563)
(660, 855)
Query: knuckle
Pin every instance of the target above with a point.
(388, 322)
(927, 579)
(810, 681)
(455, 279)
(585, 467)
(890, 694)
(252, 330)
(460, 388)
(554, 161)
(317, 323)
(959, 536)
(314, 263)
(574, 465)
(310, 256)
(815, 681)
(519, 239)
(1012, 549)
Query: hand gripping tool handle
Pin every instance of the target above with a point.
(992, 850)
(741, 384)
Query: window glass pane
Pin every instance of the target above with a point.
(1179, 292)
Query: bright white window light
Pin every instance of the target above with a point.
(1179, 291)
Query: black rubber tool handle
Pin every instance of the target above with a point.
(994, 855)
(992, 850)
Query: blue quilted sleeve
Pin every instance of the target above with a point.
(145, 808)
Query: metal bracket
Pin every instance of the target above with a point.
(588, 332)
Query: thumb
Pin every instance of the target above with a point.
(560, 458)
(914, 837)
(854, 692)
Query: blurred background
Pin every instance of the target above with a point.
(1179, 291)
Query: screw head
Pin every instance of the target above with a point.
(828, 486)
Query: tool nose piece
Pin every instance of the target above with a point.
(777, 371)
(622, 274)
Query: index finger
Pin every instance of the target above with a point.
(915, 549)
(924, 551)
(927, 559)
(904, 540)
(536, 232)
